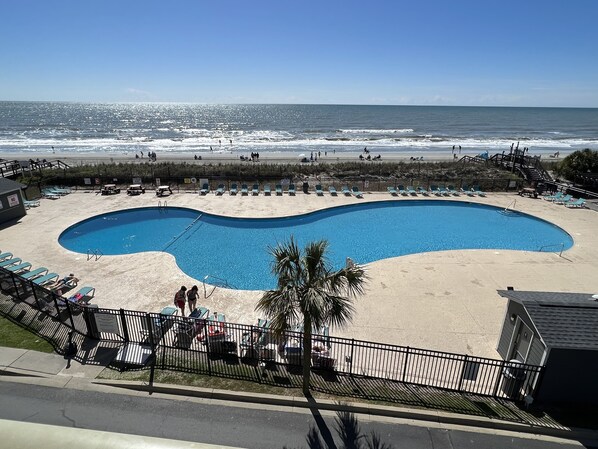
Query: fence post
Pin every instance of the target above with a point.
(351, 357)
(405, 364)
(499, 378)
(207, 340)
(68, 305)
(153, 346)
(123, 319)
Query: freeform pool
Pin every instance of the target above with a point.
(236, 249)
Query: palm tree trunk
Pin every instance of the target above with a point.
(306, 353)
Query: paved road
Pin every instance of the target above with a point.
(225, 423)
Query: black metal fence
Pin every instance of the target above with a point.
(209, 345)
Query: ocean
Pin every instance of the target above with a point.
(40, 127)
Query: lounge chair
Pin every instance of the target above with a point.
(18, 268)
(53, 191)
(255, 189)
(159, 325)
(200, 313)
(421, 190)
(220, 190)
(346, 191)
(319, 190)
(233, 189)
(29, 204)
(564, 199)
(50, 195)
(443, 191)
(435, 190)
(467, 191)
(8, 262)
(278, 189)
(291, 189)
(478, 191)
(392, 190)
(46, 279)
(411, 191)
(332, 190)
(580, 203)
(60, 190)
(34, 273)
(5, 256)
(244, 189)
(402, 190)
(452, 190)
(554, 197)
(205, 189)
(267, 190)
(356, 192)
(83, 295)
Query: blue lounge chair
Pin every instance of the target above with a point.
(233, 189)
(220, 189)
(564, 199)
(467, 191)
(332, 190)
(392, 190)
(205, 189)
(346, 191)
(255, 190)
(267, 190)
(278, 189)
(291, 189)
(5, 256)
(434, 190)
(452, 190)
(356, 192)
(200, 313)
(244, 189)
(319, 190)
(421, 190)
(443, 191)
(34, 273)
(60, 190)
(48, 194)
(580, 203)
(402, 190)
(478, 191)
(411, 191)
(18, 268)
(46, 279)
(83, 295)
(8, 262)
(29, 204)
(554, 197)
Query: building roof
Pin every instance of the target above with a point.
(564, 320)
(8, 185)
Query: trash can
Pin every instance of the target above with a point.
(513, 379)
(305, 187)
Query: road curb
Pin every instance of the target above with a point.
(582, 435)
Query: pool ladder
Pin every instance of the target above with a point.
(220, 283)
(94, 254)
(160, 206)
(561, 245)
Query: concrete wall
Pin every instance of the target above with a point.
(10, 212)
(570, 378)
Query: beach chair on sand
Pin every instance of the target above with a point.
(392, 190)
(255, 190)
(205, 188)
(278, 189)
(356, 192)
(478, 191)
(267, 190)
(319, 190)
(220, 189)
(346, 191)
(580, 203)
(34, 273)
(233, 189)
(244, 189)
(332, 190)
(291, 189)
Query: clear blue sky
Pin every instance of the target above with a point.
(503, 53)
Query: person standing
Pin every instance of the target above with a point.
(179, 299)
(192, 298)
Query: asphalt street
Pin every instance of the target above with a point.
(207, 421)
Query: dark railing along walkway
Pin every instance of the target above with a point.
(136, 340)
(13, 168)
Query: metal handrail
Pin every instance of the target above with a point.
(562, 245)
(96, 253)
(224, 284)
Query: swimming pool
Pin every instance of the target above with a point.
(235, 249)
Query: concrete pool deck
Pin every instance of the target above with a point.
(445, 301)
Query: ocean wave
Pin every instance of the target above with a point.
(375, 131)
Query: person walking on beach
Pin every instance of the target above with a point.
(179, 299)
(192, 298)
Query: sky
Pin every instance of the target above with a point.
(470, 53)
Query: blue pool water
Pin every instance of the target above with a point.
(235, 249)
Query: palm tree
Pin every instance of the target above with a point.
(309, 291)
